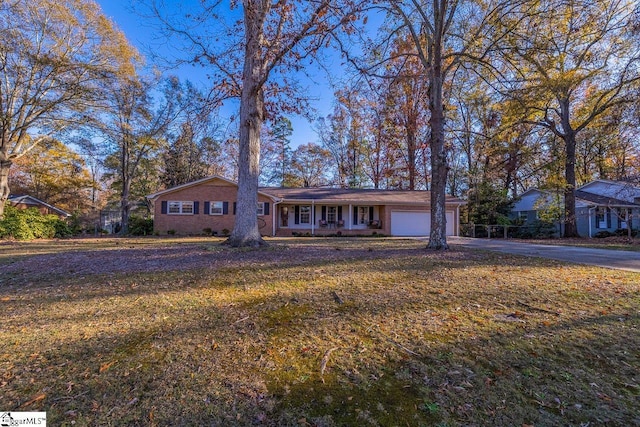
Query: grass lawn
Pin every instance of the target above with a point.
(313, 332)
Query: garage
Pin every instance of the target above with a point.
(416, 223)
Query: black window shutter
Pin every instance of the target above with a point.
(370, 213)
(340, 213)
(225, 208)
(196, 208)
(324, 213)
(234, 207)
(266, 208)
(608, 213)
(355, 215)
(207, 208)
(297, 214)
(163, 207)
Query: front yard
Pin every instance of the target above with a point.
(313, 332)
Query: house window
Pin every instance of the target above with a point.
(260, 208)
(178, 208)
(216, 208)
(332, 214)
(363, 215)
(305, 214)
(603, 219)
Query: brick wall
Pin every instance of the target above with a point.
(194, 224)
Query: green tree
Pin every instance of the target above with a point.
(183, 159)
(281, 135)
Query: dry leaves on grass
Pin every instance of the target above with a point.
(246, 337)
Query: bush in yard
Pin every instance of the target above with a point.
(603, 234)
(29, 224)
(139, 226)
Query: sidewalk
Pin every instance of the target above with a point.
(620, 260)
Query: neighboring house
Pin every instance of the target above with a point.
(601, 205)
(26, 202)
(209, 204)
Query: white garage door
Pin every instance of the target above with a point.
(416, 223)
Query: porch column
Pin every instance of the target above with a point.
(350, 216)
(313, 217)
(276, 215)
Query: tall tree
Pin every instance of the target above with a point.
(343, 134)
(183, 159)
(310, 163)
(280, 134)
(53, 56)
(573, 61)
(135, 129)
(443, 34)
(267, 38)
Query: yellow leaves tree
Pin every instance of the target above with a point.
(572, 61)
(53, 54)
(55, 174)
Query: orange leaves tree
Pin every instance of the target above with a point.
(53, 54)
(442, 35)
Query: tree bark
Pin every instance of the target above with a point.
(569, 137)
(5, 165)
(411, 126)
(126, 189)
(245, 231)
(438, 235)
(570, 227)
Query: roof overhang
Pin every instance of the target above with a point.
(154, 196)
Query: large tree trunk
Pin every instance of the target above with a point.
(245, 231)
(569, 137)
(570, 226)
(125, 208)
(126, 188)
(438, 236)
(5, 165)
(411, 126)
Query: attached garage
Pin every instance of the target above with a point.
(417, 223)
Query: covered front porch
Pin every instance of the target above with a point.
(325, 219)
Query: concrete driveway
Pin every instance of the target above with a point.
(620, 260)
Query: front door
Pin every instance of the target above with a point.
(284, 216)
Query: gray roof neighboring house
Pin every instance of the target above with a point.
(33, 202)
(600, 200)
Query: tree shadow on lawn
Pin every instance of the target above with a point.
(259, 361)
(53, 273)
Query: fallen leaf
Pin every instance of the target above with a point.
(34, 400)
(106, 366)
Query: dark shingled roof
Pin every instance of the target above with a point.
(602, 200)
(342, 195)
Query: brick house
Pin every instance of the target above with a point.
(208, 204)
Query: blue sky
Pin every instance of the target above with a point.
(140, 34)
